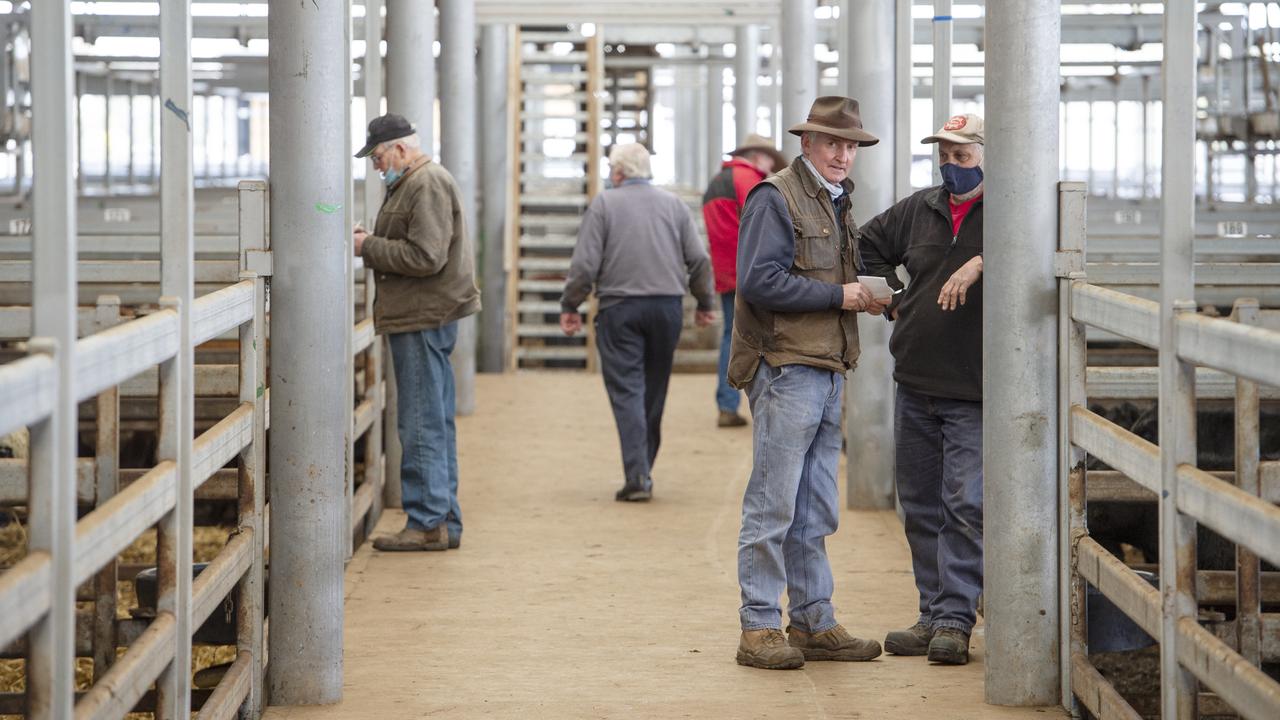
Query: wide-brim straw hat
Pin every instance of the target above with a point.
(838, 116)
(759, 143)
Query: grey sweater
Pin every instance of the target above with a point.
(637, 240)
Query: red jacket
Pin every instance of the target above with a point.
(721, 206)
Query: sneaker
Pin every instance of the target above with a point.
(833, 644)
(730, 418)
(912, 641)
(949, 646)
(410, 539)
(635, 491)
(768, 649)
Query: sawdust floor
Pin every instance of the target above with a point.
(562, 603)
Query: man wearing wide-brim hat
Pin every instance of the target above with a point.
(937, 234)
(795, 336)
(748, 164)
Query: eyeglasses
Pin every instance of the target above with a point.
(377, 156)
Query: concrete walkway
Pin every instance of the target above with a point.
(562, 603)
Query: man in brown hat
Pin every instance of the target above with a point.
(748, 164)
(795, 336)
(937, 234)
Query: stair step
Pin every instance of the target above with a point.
(538, 58)
(544, 264)
(540, 286)
(549, 200)
(560, 352)
(566, 223)
(548, 242)
(544, 115)
(539, 157)
(544, 77)
(539, 330)
(538, 307)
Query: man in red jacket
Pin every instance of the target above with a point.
(722, 203)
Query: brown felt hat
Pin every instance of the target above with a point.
(963, 129)
(835, 115)
(759, 143)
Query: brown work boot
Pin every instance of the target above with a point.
(949, 646)
(729, 418)
(410, 539)
(833, 644)
(912, 641)
(767, 648)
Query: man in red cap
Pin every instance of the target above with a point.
(722, 203)
(795, 336)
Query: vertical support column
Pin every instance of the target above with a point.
(1115, 139)
(349, 286)
(903, 92)
(373, 75)
(867, 73)
(107, 92)
(51, 660)
(1020, 352)
(231, 134)
(252, 476)
(746, 74)
(106, 477)
(132, 87)
(1177, 436)
(799, 68)
(177, 387)
(715, 119)
(943, 26)
(458, 156)
(153, 134)
(1146, 136)
(411, 65)
(686, 113)
(310, 240)
(495, 151)
(79, 108)
(1248, 571)
(1090, 169)
(1072, 353)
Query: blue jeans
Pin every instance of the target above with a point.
(791, 503)
(637, 340)
(727, 396)
(939, 478)
(425, 398)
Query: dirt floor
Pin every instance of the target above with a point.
(562, 603)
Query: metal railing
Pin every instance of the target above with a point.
(108, 360)
(1237, 512)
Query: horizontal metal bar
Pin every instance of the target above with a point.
(362, 336)
(1245, 687)
(14, 481)
(105, 532)
(15, 321)
(125, 271)
(1125, 315)
(221, 381)
(114, 355)
(219, 444)
(24, 595)
(1211, 273)
(27, 386)
(219, 577)
(218, 312)
(128, 679)
(127, 245)
(1097, 693)
(1142, 383)
(1119, 584)
(1233, 513)
(1117, 447)
(1249, 352)
(227, 698)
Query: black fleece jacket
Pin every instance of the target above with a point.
(935, 352)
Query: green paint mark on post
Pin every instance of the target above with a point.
(260, 391)
(328, 209)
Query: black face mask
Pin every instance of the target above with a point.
(960, 180)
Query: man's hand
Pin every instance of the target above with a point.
(953, 292)
(570, 323)
(703, 318)
(359, 234)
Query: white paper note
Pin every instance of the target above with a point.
(879, 288)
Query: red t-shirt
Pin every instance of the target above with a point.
(959, 211)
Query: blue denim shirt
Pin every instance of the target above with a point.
(766, 253)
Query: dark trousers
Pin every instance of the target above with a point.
(637, 341)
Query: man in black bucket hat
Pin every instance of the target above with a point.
(795, 336)
(425, 270)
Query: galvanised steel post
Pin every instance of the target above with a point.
(372, 77)
(495, 154)
(903, 29)
(458, 155)
(799, 68)
(867, 74)
(746, 73)
(177, 375)
(1020, 307)
(943, 25)
(1177, 435)
(309, 239)
(714, 151)
(51, 662)
(411, 65)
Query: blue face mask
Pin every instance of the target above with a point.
(960, 180)
(391, 176)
